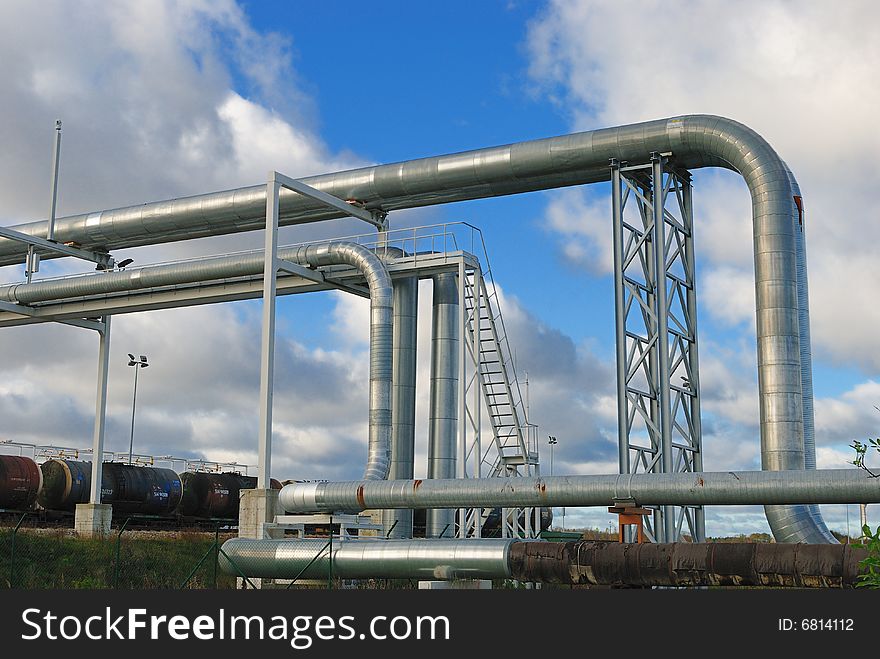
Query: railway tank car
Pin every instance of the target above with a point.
(20, 482)
(130, 489)
(208, 495)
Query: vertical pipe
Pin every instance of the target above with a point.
(398, 523)
(56, 157)
(267, 350)
(443, 421)
(100, 412)
(659, 236)
(696, 420)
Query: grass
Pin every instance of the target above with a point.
(59, 559)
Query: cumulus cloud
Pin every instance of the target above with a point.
(793, 71)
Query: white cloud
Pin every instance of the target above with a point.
(793, 71)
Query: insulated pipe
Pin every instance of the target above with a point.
(688, 564)
(694, 140)
(679, 489)
(398, 523)
(251, 263)
(308, 558)
(802, 523)
(575, 563)
(443, 422)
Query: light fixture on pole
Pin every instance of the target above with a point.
(138, 364)
(552, 441)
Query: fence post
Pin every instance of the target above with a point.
(12, 552)
(216, 552)
(330, 558)
(118, 547)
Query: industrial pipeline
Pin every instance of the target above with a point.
(783, 342)
(570, 563)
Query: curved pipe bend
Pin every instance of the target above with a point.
(694, 140)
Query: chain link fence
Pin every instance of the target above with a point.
(34, 557)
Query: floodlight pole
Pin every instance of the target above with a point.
(138, 365)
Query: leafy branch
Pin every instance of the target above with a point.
(870, 578)
(861, 450)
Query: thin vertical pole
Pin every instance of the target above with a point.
(267, 351)
(56, 157)
(619, 325)
(460, 459)
(133, 404)
(696, 420)
(619, 320)
(330, 557)
(659, 203)
(100, 412)
(478, 408)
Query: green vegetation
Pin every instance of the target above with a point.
(870, 578)
(35, 559)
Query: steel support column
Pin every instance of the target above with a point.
(655, 317)
(100, 411)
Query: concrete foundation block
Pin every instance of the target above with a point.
(256, 508)
(92, 519)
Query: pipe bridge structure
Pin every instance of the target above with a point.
(648, 165)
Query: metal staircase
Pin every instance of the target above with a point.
(500, 388)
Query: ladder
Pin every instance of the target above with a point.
(497, 374)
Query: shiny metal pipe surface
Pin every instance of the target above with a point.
(251, 263)
(368, 558)
(694, 140)
(443, 417)
(679, 489)
(403, 409)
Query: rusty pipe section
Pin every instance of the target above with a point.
(680, 489)
(687, 564)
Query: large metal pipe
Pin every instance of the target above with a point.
(680, 489)
(573, 563)
(801, 523)
(443, 421)
(251, 263)
(398, 523)
(309, 558)
(687, 564)
(694, 140)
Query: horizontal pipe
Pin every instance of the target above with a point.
(501, 170)
(688, 564)
(367, 558)
(682, 489)
(252, 263)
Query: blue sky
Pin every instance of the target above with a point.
(171, 98)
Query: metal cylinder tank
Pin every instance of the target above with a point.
(130, 489)
(210, 495)
(20, 482)
(65, 484)
(140, 490)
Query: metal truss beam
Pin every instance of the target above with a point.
(656, 327)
